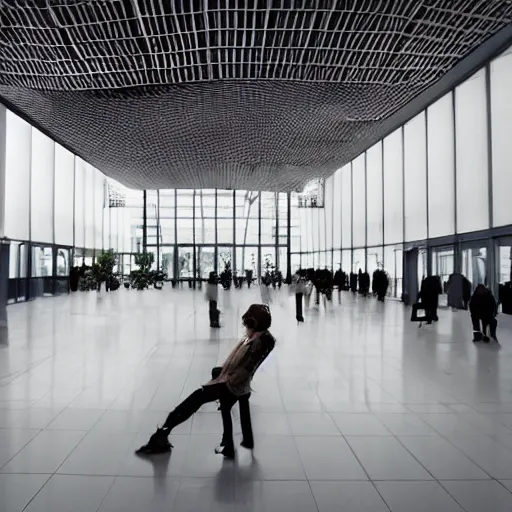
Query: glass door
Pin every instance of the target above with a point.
(474, 263)
(443, 259)
(41, 282)
(247, 259)
(205, 261)
(167, 260)
(17, 284)
(186, 263)
(504, 273)
(224, 257)
(268, 259)
(62, 268)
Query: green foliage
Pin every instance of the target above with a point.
(144, 260)
(144, 277)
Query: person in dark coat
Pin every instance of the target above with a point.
(429, 294)
(380, 284)
(212, 292)
(483, 310)
(299, 283)
(353, 282)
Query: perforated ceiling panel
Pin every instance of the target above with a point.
(229, 94)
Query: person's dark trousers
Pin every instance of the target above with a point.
(475, 320)
(213, 312)
(245, 416)
(199, 397)
(298, 307)
(492, 323)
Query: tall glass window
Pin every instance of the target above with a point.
(268, 217)
(374, 195)
(79, 203)
(166, 213)
(64, 190)
(441, 184)
(17, 177)
(247, 217)
(415, 163)
(43, 164)
(89, 206)
(346, 206)
(359, 201)
(471, 150)
(501, 112)
(99, 204)
(393, 188)
(336, 236)
(328, 212)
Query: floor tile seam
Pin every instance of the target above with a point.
(426, 469)
(362, 466)
(452, 496)
(106, 494)
(76, 448)
(372, 414)
(68, 408)
(22, 448)
(297, 451)
(448, 440)
(462, 414)
(37, 493)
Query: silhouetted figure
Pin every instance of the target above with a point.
(429, 293)
(226, 276)
(363, 279)
(299, 282)
(74, 277)
(483, 311)
(380, 283)
(459, 291)
(248, 277)
(212, 294)
(353, 282)
(339, 279)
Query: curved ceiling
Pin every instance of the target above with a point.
(228, 93)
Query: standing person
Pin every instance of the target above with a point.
(380, 284)
(248, 277)
(299, 283)
(233, 382)
(429, 293)
(212, 295)
(483, 310)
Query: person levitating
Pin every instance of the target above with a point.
(233, 382)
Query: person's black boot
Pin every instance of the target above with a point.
(249, 445)
(158, 443)
(486, 339)
(477, 336)
(226, 451)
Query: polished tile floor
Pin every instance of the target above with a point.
(357, 410)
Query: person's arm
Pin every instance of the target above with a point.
(232, 354)
(256, 353)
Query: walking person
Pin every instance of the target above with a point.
(429, 294)
(299, 282)
(212, 294)
(233, 382)
(483, 310)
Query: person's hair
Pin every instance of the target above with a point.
(257, 318)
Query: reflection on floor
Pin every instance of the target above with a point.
(357, 410)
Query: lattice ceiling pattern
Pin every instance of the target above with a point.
(228, 93)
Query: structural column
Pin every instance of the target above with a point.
(4, 243)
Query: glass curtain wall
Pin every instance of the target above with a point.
(56, 212)
(440, 184)
(201, 231)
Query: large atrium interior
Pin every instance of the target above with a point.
(345, 166)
